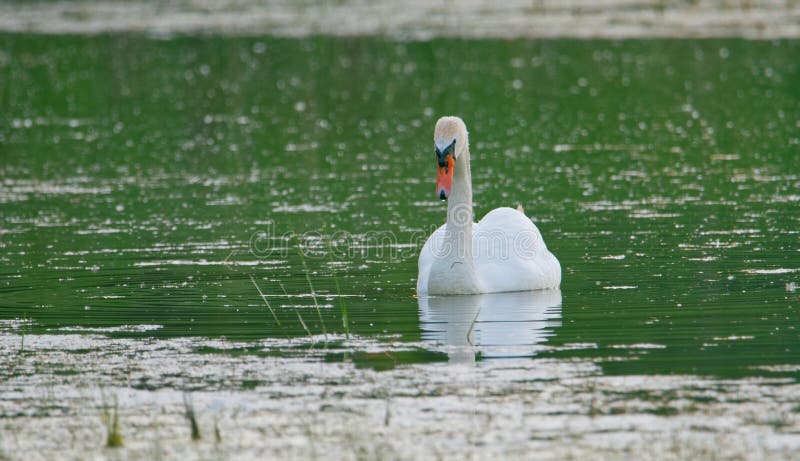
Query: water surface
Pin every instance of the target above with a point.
(149, 185)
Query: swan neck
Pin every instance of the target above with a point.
(459, 204)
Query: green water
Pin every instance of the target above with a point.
(145, 181)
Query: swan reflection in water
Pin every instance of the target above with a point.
(494, 324)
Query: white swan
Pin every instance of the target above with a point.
(502, 252)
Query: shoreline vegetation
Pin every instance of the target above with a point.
(414, 19)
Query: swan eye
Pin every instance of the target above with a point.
(452, 148)
(441, 155)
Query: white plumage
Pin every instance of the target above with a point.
(503, 252)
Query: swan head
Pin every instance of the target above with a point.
(449, 140)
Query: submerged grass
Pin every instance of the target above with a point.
(190, 416)
(111, 420)
(472, 327)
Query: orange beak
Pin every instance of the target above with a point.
(444, 180)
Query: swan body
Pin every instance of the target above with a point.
(503, 252)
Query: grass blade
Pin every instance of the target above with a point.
(264, 297)
(313, 292)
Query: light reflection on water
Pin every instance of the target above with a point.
(670, 207)
(492, 325)
(140, 181)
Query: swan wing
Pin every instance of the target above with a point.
(510, 253)
(427, 257)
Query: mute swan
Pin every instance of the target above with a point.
(502, 252)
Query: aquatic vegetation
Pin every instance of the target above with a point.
(111, 420)
(191, 417)
(300, 251)
(266, 301)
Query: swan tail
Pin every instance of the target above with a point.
(520, 209)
